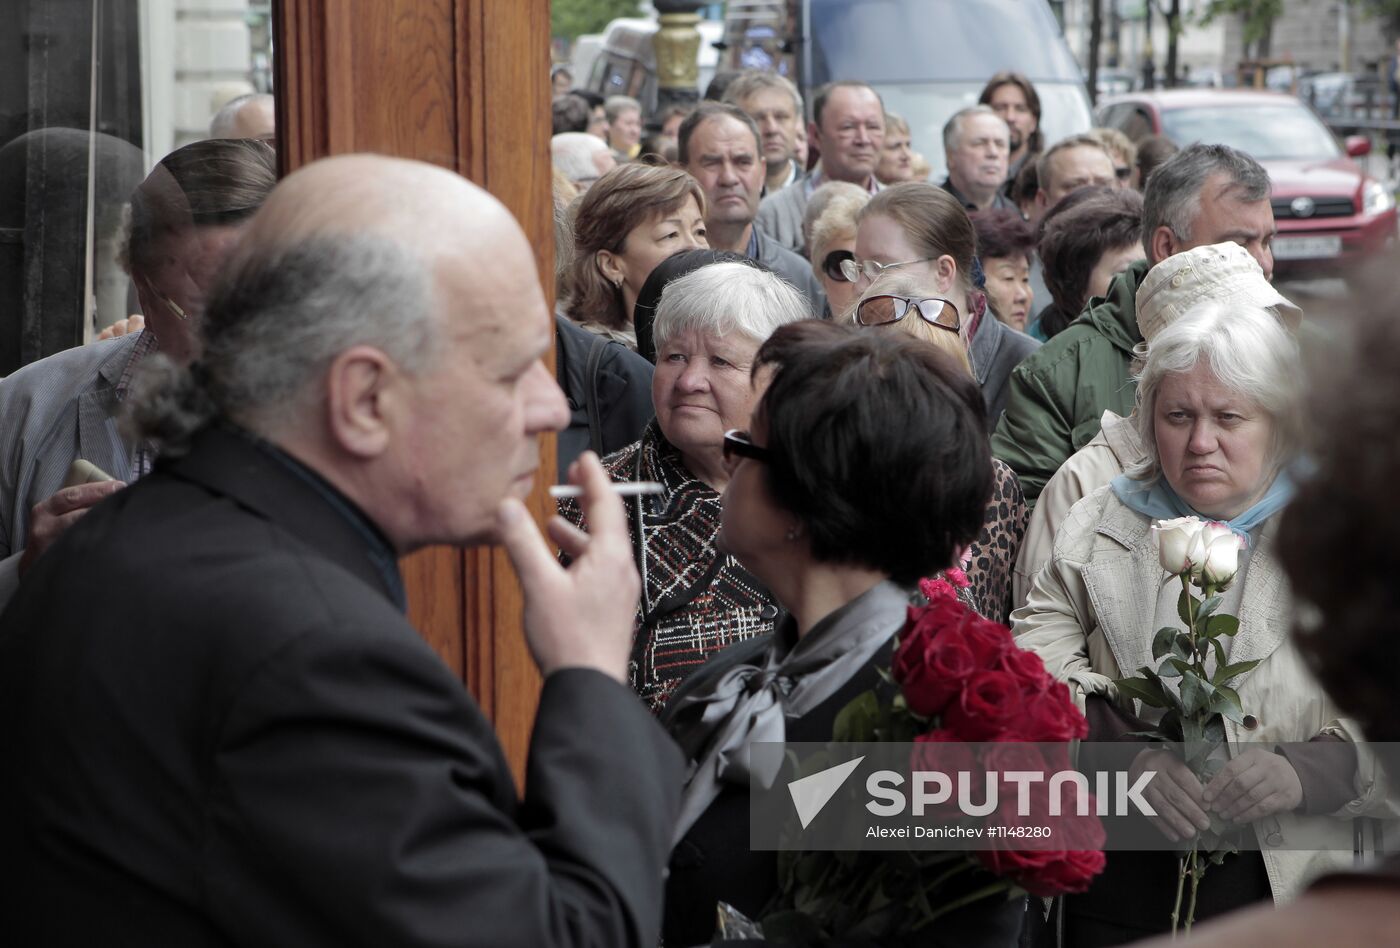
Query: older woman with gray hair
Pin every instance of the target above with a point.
(695, 600)
(1217, 421)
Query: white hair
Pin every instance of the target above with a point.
(953, 129)
(572, 153)
(724, 299)
(1248, 350)
(225, 121)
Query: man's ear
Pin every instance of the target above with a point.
(814, 135)
(1042, 200)
(1163, 246)
(364, 393)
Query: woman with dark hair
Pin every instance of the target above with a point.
(1006, 246)
(865, 467)
(1086, 240)
(922, 231)
(1151, 152)
(630, 220)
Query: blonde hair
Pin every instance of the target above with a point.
(831, 216)
(950, 343)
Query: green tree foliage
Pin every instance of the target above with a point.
(1387, 11)
(1257, 17)
(573, 18)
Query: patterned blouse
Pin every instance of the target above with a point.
(997, 546)
(696, 601)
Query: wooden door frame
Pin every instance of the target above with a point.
(463, 84)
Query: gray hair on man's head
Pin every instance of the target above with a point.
(615, 105)
(276, 322)
(724, 299)
(1172, 194)
(572, 153)
(225, 121)
(752, 81)
(952, 129)
(1249, 351)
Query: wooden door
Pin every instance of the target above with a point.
(463, 84)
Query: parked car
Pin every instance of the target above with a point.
(1329, 212)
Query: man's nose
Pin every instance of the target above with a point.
(546, 408)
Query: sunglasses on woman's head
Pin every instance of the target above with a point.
(738, 444)
(831, 266)
(883, 310)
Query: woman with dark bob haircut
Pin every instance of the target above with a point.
(865, 467)
(1086, 240)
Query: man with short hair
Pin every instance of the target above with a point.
(220, 729)
(975, 143)
(774, 103)
(247, 116)
(1080, 161)
(1204, 194)
(719, 146)
(581, 157)
(569, 113)
(848, 128)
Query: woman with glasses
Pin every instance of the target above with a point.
(900, 301)
(695, 599)
(922, 230)
(829, 225)
(865, 467)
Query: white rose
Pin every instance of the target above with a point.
(1174, 539)
(1222, 560)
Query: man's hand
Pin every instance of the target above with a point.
(49, 518)
(1256, 784)
(579, 617)
(1174, 793)
(133, 323)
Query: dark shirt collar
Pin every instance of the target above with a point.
(377, 548)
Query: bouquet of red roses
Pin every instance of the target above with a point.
(963, 688)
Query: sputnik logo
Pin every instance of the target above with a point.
(811, 793)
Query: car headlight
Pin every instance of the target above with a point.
(1376, 198)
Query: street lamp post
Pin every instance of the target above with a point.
(677, 46)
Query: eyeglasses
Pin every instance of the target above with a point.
(737, 444)
(883, 310)
(833, 263)
(853, 269)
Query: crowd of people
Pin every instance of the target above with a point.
(795, 382)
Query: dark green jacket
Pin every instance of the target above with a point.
(1056, 397)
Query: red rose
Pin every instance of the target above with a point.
(1065, 861)
(986, 707)
(1050, 715)
(945, 752)
(1028, 669)
(934, 659)
(989, 641)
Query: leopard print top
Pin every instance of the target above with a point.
(994, 553)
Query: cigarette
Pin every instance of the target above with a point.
(621, 488)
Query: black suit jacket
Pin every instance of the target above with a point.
(218, 730)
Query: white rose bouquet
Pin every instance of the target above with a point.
(1204, 555)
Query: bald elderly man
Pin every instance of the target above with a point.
(247, 116)
(219, 727)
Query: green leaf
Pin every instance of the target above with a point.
(1183, 648)
(1223, 675)
(1162, 642)
(1215, 730)
(1144, 691)
(856, 722)
(1170, 725)
(1167, 694)
(1195, 694)
(1184, 603)
(1226, 701)
(1220, 658)
(1191, 731)
(1182, 667)
(1222, 625)
(1169, 669)
(1208, 607)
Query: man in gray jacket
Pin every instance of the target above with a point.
(719, 145)
(848, 126)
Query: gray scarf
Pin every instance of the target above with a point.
(750, 703)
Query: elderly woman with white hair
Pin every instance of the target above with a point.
(696, 600)
(1217, 421)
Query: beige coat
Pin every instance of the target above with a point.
(1110, 452)
(1090, 616)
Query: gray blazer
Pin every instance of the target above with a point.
(55, 411)
(780, 216)
(996, 350)
(792, 268)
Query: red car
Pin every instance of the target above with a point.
(1329, 212)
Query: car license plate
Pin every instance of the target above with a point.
(1307, 248)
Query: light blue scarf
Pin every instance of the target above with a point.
(1157, 501)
